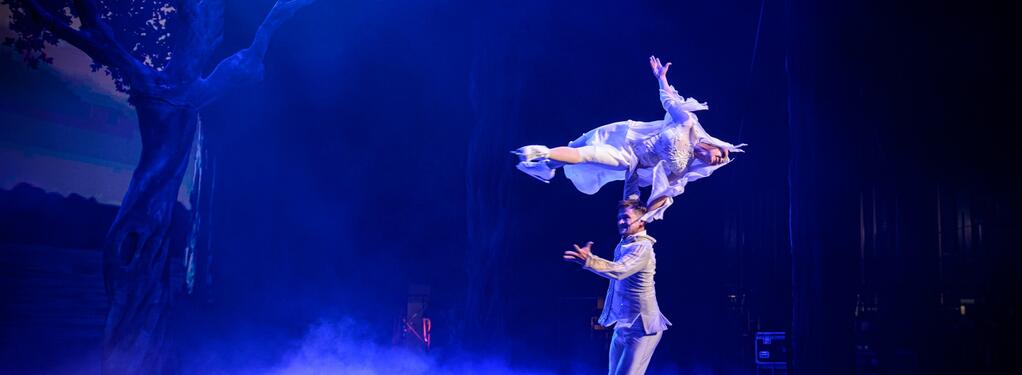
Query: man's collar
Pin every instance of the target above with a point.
(638, 235)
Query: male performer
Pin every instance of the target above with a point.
(630, 305)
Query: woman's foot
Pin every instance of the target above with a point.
(532, 153)
(539, 169)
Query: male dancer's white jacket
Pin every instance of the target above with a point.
(631, 305)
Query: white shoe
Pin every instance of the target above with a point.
(532, 153)
(538, 169)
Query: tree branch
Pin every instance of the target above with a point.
(95, 38)
(79, 39)
(88, 13)
(247, 65)
(201, 33)
(282, 11)
(137, 73)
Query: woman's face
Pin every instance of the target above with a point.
(711, 156)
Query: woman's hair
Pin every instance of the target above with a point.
(632, 204)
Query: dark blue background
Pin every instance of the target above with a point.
(879, 177)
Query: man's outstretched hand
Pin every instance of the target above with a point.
(580, 255)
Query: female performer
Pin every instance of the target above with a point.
(664, 154)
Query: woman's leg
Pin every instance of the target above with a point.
(604, 155)
(594, 154)
(540, 162)
(565, 155)
(600, 154)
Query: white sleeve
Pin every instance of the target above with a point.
(677, 106)
(633, 260)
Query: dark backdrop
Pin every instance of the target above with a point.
(873, 217)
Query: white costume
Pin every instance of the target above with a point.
(657, 154)
(631, 305)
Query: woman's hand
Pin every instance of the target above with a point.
(659, 70)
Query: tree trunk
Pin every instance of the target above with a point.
(136, 253)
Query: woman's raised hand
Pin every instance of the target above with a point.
(659, 70)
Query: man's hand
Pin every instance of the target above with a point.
(580, 255)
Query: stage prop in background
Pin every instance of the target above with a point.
(156, 52)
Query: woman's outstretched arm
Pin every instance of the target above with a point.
(668, 96)
(660, 72)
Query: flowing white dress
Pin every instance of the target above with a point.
(657, 153)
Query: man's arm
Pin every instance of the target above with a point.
(632, 261)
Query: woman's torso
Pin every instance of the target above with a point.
(671, 145)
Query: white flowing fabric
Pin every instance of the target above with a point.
(616, 141)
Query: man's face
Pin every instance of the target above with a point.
(628, 222)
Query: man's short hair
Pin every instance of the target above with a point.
(632, 204)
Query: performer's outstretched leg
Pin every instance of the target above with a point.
(535, 162)
(566, 155)
(541, 162)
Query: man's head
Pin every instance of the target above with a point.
(629, 215)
